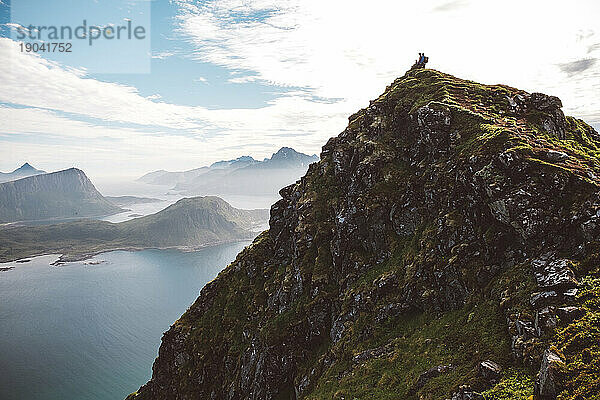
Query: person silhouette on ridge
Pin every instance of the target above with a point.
(421, 61)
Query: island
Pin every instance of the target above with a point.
(189, 224)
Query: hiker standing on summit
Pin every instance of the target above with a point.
(421, 61)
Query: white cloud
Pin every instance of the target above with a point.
(56, 99)
(30, 80)
(57, 142)
(451, 6)
(243, 79)
(351, 50)
(20, 28)
(33, 81)
(161, 55)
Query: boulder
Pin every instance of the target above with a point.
(556, 156)
(547, 385)
(545, 320)
(540, 299)
(545, 103)
(378, 352)
(490, 371)
(569, 314)
(553, 120)
(554, 274)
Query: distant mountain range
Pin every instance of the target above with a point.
(63, 194)
(243, 175)
(23, 171)
(189, 223)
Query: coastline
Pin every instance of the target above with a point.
(66, 257)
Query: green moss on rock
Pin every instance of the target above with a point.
(579, 342)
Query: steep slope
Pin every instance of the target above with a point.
(62, 194)
(445, 246)
(190, 223)
(23, 171)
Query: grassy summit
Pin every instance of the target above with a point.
(489, 115)
(445, 246)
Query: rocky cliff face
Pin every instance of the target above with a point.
(62, 194)
(445, 247)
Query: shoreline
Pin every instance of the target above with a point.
(68, 258)
(65, 258)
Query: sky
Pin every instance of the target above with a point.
(215, 80)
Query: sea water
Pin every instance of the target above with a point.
(91, 330)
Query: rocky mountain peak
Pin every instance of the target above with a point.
(287, 155)
(25, 167)
(237, 162)
(61, 194)
(284, 152)
(444, 246)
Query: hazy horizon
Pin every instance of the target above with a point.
(129, 176)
